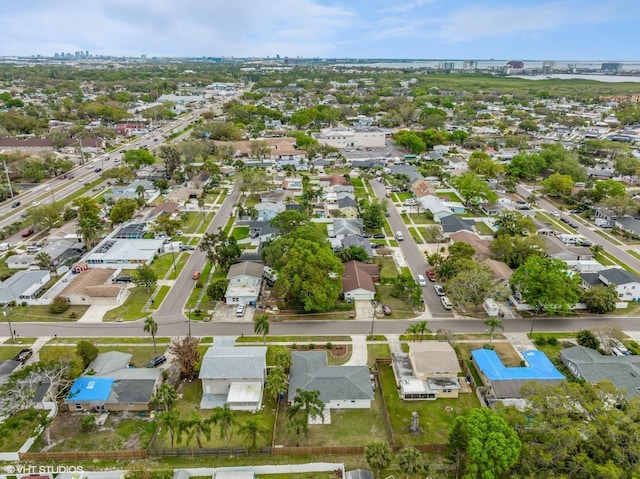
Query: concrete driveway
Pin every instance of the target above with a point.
(227, 314)
(364, 310)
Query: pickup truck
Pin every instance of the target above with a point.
(23, 355)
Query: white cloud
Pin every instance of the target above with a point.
(406, 7)
(481, 21)
(169, 27)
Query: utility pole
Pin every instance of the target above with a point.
(81, 151)
(6, 172)
(5, 313)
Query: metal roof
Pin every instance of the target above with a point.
(539, 366)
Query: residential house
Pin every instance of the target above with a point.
(354, 240)
(409, 170)
(244, 283)
(132, 230)
(7, 367)
(428, 372)
(147, 172)
(348, 207)
(591, 366)
(479, 245)
(110, 384)
(23, 286)
(261, 230)
(168, 208)
(341, 227)
(136, 189)
(506, 382)
(435, 206)
(626, 283)
(499, 271)
(94, 286)
(234, 376)
(421, 187)
(341, 387)
(628, 224)
(123, 253)
(199, 181)
(452, 224)
(63, 250)
(267, 210)
(360, 137)
(358, 280)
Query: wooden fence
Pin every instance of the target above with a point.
(208, 451)
(83, 455)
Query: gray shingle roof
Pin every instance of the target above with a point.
(619, 276)
(451, 224)
(310, 372)
(223, 362)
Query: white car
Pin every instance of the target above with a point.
(48, 188)
(80, 180)
(556, 214)
(35, 203)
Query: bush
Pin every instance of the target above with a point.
(73, 315)
(88, 423)
(541, 341)
(59, 305)
(489, 346)
(312, 346)
(552, 341)
(329, 346)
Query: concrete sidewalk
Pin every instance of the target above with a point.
(359, 352)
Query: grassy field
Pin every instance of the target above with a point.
(189, 402)
(399, 308)
(375, 351)
(435, 420)
(240, 232)
(132, 307)
(42, 314)
(415, 235)
(421, 219)
(348, 426)
(15, 430)
(387, 265)
(504, 350)
(140, 354)
(483, 229)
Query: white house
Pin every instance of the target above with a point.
(358, 280)
(362, 137)
(94, 286)
(23, 286)
(124, 253)
(234, 376)
(341, 387)
(627, 284)
(244, 283)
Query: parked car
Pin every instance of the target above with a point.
(187, 247)
(15, 204)
(196, 275)
(98, 170)
(386, 309)
(379, 236)
(556, 214)
(376, 245)
(439, 290)
(157, 361)
(446, 304)
(26, 233)
(23, 355)
(431, 275)
(125, 278)
(240, 310)
(421, 280)
(35, 203)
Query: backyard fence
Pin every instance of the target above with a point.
(83, 455)
(208, 451)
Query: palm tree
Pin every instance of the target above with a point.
(309, 401)
(261, 326)
(297, 426)
(201, 206)
(597, 249)
(140, 192)
(224, 418)
(43, 259)
(151, 327)
(170, 420)
(251, 430)
(378, 455)
(165, 395)
(492, 324)
(413, 330)
(532, 200)
(276, 382)
(422, 329)
(195, 426)
(410, 461)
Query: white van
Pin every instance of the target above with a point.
(33, 249)
(569, 239)
(4, 246)
(399, 236)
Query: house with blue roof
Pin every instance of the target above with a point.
(506, 382)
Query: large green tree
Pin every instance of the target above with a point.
(473, 284)
(557, 184)
(483, 445)
(378, 455)
(138, 158)
(221, 248)
(546, 283)
(473, 189)
(601, 299)
(123, 210)
(144, 275)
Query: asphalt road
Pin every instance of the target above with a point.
(415, 258)
(588, 233)
(172, 307)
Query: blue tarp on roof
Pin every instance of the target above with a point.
(90, 389)
(539, 366)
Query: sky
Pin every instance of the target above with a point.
(419, 29)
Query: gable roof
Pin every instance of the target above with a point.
(618, 276)
(347, 202)
(451, 224)
(245, 268)
(593, 367)
(224, 362)
(359, 275)
(539, 366)
(480, 246)
(430, 357)
(93, 283)
(359, 241)
(21, 283)
(310, 372)
(107, 363)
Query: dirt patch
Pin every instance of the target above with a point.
(337, 350)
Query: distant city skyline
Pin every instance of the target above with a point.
(419, 29)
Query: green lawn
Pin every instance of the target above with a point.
(388, 267)
(348, 427)
(421, 219)
(140, 354)
(43, 314)
(160, 295)
(435, 421)
(415, 235)
(483, 229)
(357, 182)
(190, 401)
(452, 196)
(132, 307)
(240, 232)
(162, 263)
(375, 351)
(15, 430)
(143, 340)
(291, 339)
(399, 309)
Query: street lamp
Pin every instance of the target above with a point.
(6, 315)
